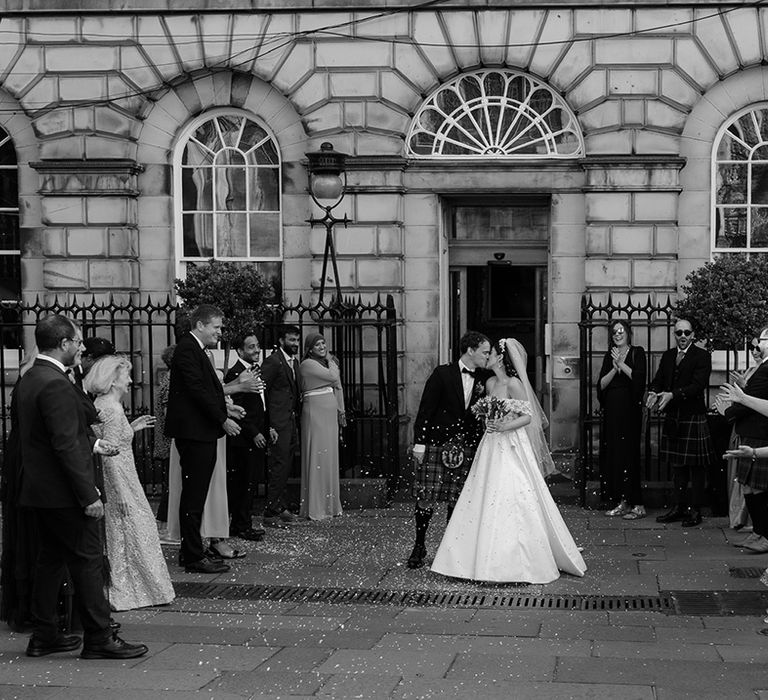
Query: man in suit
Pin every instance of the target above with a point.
(678, 390)
(196, 418)
(246, 451)
(446, 434)
(58, 483)
(751, 429)
(280, 372)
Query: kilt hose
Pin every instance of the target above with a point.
(749, 473)
(434, 482)
(686, 442)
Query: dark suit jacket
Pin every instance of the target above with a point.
(687, 381)
(196, 406)
(56, 441)
(442, 415)
(282, 389)
(255, 419)
(749, 423)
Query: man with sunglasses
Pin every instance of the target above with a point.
(678, 391)
(751, 430)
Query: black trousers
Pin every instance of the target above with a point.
(280, 465)
(680, 476)
(69, 540)
(243, 463)
(197, 460)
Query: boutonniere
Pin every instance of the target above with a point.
(478, 390)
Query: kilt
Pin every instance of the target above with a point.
(753, 474)
(686, 442)
(433, 482)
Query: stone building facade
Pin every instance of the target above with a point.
(503, 160)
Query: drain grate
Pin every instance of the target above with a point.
(719, 603)
(746, 572)
(190, 589)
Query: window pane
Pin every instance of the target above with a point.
(196, 189)
(230, 157)
(759, 183)
(9, 231)
(252, 134)
(230, 235)
(501, 223)
(732, 183)
(265, 189)
(7, 152)
(195, 154)
(207, 135)
(266, 154)
(731, 147)
(265, 235)
(10, 277)
(9, 188)
(759, 237)
(731, 228)
(230, 129)
(198, 235)
(230, 189)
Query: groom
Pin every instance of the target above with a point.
(446, 434)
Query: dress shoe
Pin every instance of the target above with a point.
(749, 539)
(692, 518)
(36, 647)
(672, 515)
(287, 517)
(206, 566)
(758, 546)
(221, 551)
(274, 521)
(254, 534)
(114, 648)
(416, 560)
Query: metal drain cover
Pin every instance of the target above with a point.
(719, 603)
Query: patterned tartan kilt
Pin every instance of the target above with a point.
(433, 482)
(754, 474)
(686, 441)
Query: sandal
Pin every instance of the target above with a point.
(636, 513)
(227, 553)
(621, 509)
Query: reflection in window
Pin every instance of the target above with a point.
(740, 183)
(10, 244)
(230, 191)
(494, 114)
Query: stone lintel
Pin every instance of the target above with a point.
(97, 177)
(656, 173)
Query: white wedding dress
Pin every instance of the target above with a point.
(505, 526)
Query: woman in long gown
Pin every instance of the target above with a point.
(506, 526)
(138, 573)
(620, 389)
(321, 415)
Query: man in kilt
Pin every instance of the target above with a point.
(446, 434)
(751, 430)
(677, 390)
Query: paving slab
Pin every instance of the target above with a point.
(266, 683)
(675, 650)
(583, 629)
(296, 659)
(252, 622)
(478, 666)
(655, 619)
(331, 639)
(486, 645)
(242, 607)
(369, 686)
(386, 661)
(18, 692)
(216, 657)
(136, 694)
(188, 631)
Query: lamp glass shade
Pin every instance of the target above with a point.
(326, 185)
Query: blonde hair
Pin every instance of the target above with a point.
(28, 361)
(102, 375)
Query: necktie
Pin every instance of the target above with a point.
(680, 356)
(464, 370)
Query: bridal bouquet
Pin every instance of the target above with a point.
(490, 408)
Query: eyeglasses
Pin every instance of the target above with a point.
(76, 341)
(682, 332)
(619, 331)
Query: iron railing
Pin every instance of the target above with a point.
(363, 336)
(652, 327)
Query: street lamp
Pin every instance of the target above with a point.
(327, 182)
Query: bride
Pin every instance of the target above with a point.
(506, 527)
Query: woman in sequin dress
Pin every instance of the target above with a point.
(138, 573)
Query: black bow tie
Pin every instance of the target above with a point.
(464, 370)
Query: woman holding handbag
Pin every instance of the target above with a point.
(620, 389)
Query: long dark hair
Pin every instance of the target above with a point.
(509, 368)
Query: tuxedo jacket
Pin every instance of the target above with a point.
(687, 381)
(56, 440)
(749, 423)
(255, 419)
(282, 389)
(196, 406)
(442, 415)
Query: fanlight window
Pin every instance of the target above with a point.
(228, 175)
(740, 183)
(495, 114)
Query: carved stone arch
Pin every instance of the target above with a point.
(495, 113)
(716, 106)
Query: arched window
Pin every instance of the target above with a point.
(494, 114)
(740, 183)
(10, 244)
(228, 190)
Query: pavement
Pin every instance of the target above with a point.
(210, 646)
